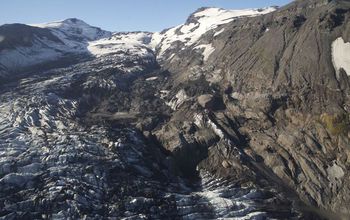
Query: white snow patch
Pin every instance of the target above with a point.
(178, 100)
(2, 38)
(341, 55)
(152, 78)
(171, 56)
(157, 38)
(208, 50)
(335, 172)
(216, 129)
(199, 120)
(219, 32)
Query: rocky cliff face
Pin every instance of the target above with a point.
(234, 114)
(286, 100)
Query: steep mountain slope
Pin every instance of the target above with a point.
(32, 46)
(284, 97)
(234, 114)
(289, 48)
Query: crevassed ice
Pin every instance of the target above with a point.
(341, 55)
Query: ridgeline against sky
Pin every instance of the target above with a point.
(121, 15)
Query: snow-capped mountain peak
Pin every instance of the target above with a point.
(61, 23)
(76, 28)
(200, 22)
(76, 37)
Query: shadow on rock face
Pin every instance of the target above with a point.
(211, 102)
(188, 157)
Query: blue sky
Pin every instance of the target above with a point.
(117, 15)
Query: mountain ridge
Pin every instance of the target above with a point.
(79, 38)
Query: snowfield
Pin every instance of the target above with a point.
(204, 21)
(131, 43)
(341, 55)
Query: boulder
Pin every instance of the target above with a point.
(210, 102)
